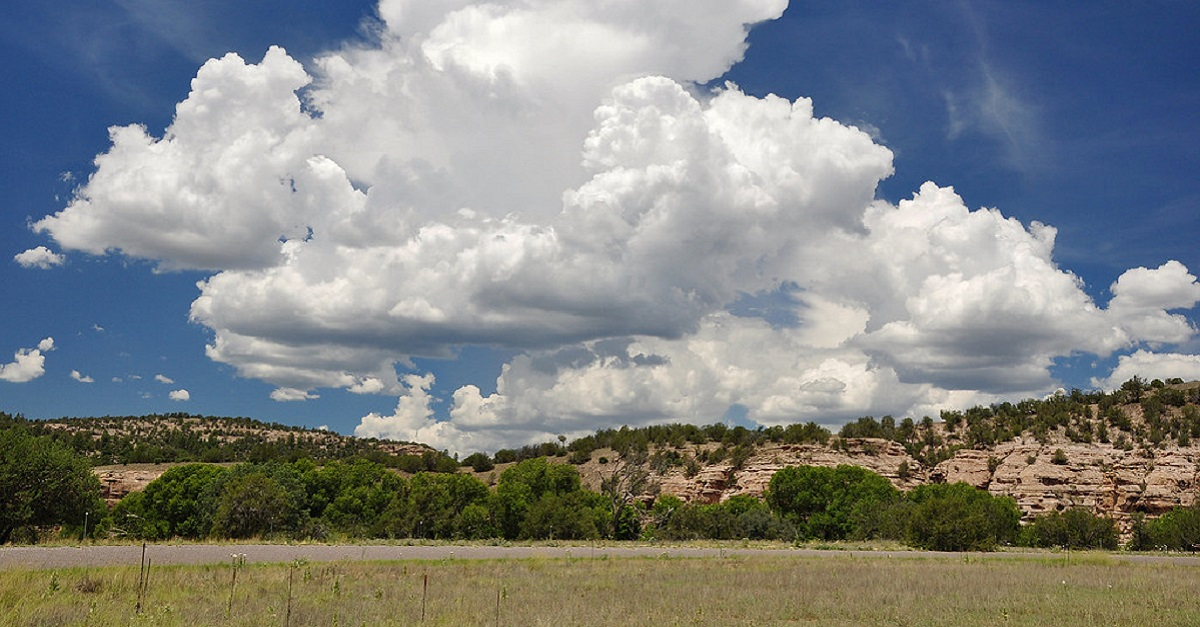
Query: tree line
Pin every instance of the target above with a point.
(1168, 413)
(309, 484)
(180, 438)
(46, 485)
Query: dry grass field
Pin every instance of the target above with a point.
(767, 590)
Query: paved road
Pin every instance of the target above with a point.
(163, 554)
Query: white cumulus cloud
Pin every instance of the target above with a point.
(80, 377)
(41, 257)
(549, 177)
(1149, 366)
(285, 395)
(162, 378)
(179, 395)
(28, 363)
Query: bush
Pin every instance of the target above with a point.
(1075, 528)
(479, 462)
(697, 521)
(436, 505)
(830, 503)
(253, 505)
(958, 517)
(505, 456)
(180, 503)
(42, 482)
(1178, 529)
(563, 517)
(350, 496)
(523, 485)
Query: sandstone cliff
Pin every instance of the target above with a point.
(1117, 455)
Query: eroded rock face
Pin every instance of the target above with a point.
(1104, 479)
(721, 481)
(1098, 477)
(117, 481)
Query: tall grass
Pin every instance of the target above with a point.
(832, 590)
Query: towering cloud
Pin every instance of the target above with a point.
(547, 176)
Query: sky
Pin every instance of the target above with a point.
(483, 225)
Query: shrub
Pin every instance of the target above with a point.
(958, 517)
(42, 482)
(350, 496)
(830, 503)
(181, 502)
(1075, 528)
(436, 504)
(697, 521)
(523, 485)
(505, 456)
(566, 517)
(479, 462)
(1178, 529)
(741, 517)
(253, 505)
(411, 464)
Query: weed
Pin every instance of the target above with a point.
(838, 588)
(88, 585)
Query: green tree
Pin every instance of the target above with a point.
(697, 521)
(350, 496)
(1178, 529)
(253, 504)
(570, 516)
(479, 462)
(1134, 389)
(1075, 528)
(741, 517)
(626, 482)
(523, 485)
(180, 503)
(43, 483)
(830, 503)
(958, 517)
(437, 503)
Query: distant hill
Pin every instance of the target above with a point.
(178, 437)
(1130, 451)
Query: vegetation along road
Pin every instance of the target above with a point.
(41, 557)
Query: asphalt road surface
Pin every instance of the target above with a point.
(37, 557)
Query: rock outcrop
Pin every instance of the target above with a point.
(1099, 477)
(718, 482)
(1102, 478)
(117, 481)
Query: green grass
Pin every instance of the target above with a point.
(838, 589)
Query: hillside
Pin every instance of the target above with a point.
(1134, 450)
(167, 438)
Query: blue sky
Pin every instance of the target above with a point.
(482, 227)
